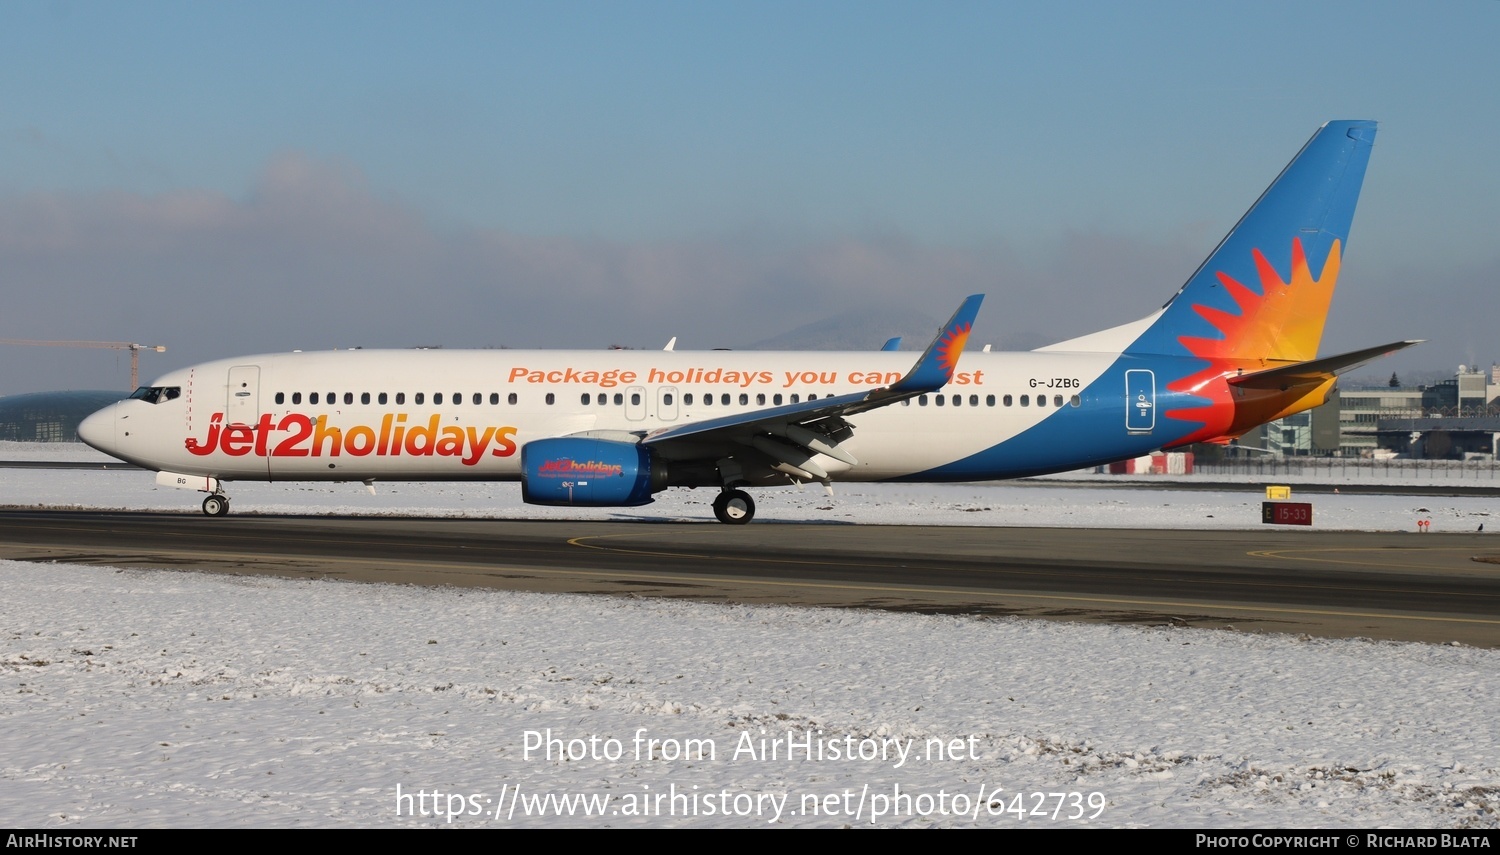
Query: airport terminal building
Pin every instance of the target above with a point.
(1452, 419)
(50, 416)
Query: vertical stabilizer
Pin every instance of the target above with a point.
(1264, 292)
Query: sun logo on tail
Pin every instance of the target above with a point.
(952, 347)
(1281, 324)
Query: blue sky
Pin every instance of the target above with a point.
(577, 174)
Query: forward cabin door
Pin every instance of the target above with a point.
(242, 407)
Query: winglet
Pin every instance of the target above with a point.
(935, 368)
(892, 343)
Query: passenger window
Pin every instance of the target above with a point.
(382, 399)
(348, 397)
(760, 399)
(813, 397)
(708, 400)
(281, 397)
(313, 398)
(511, 398)
(494, 399)
(584, 399)
(400, 397)
(724, 399)
(551, 399)
(458, 398)
(744, 399)
(1025, 400)
(635, 399)
(922, 400)
(795, 398)
(939, 400)
(296, 397)
(1057, 400)
(1075, 402)
(958, 400)
(667, 399)
(687, 399)
(776, 399)
(989, 400)
(1008, 400)
(364, 397)
(437, 398)
(974, 400)
(420, 397)
(619, 399)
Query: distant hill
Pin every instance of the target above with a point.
(863, 329)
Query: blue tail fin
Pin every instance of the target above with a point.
(1264, 291)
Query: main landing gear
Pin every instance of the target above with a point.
(734, 507)
(216, 505)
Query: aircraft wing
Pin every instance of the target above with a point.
(765, 429)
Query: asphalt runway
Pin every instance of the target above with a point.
(1396, 586)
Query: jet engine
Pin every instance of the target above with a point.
(583, 472)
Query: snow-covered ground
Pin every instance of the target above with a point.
(142, 698)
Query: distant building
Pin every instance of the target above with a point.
(50, 416)
(1360, 412)
(1450, 419)
(1314, 432)
(1441, 438)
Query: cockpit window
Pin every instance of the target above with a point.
(157, 394)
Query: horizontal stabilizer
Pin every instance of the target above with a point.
(1316, 371)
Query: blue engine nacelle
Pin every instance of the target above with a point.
(583, 472)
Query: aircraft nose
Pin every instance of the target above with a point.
(98, 430)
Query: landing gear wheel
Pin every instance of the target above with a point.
(734, 507)
(216, 505)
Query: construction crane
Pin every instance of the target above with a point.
(135, 351)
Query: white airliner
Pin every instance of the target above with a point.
(1234, 348)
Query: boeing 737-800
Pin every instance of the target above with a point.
(1234, 348)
